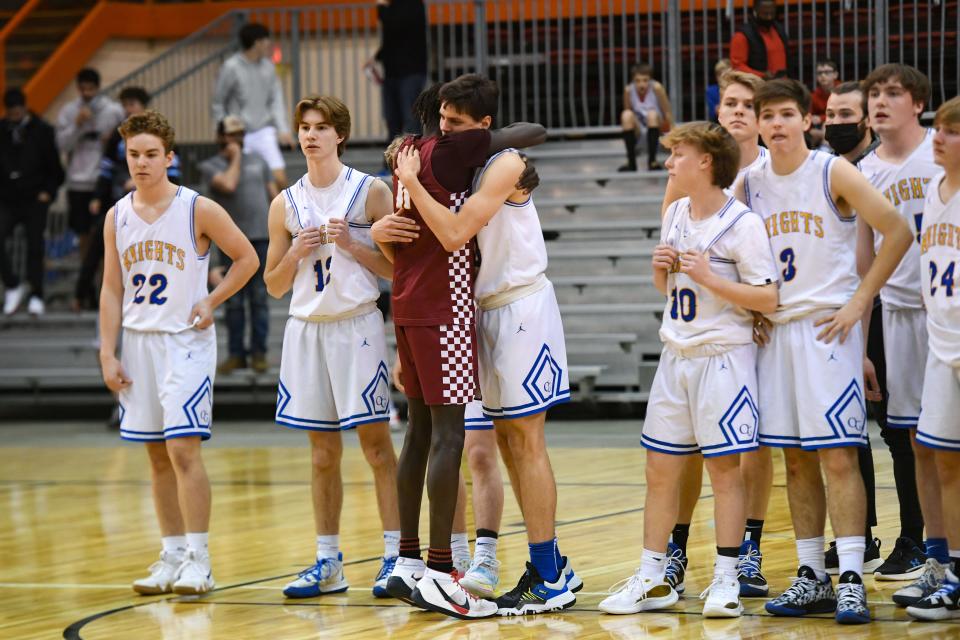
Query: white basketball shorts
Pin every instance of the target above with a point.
(703, 404)
(171, 390)
(474, 420)
(523, 357)
(905, 347)
(333, 375)
(264, 142)
(811, 392)
(939, 425)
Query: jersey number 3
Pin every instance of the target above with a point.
(789, 271)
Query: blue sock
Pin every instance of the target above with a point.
(556, 554)
(543, 557)
(936, 548)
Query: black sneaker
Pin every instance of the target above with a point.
(676, 567)
(905, 562)
(871, 557)
(806, 595)
(752, 582)
(630, 166)
(534, 595)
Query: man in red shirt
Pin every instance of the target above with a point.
(433, 311)
(828, 77)
(759, 46)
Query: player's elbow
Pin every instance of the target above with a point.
(539, 134)
(769, 300)
(452, 242)
(274, 288)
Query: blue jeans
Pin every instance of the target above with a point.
(398, 97)
(255, 295)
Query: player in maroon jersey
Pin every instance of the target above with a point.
(434, 321)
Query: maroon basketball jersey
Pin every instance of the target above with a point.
(432, 286)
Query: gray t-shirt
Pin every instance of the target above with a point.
(249, 204)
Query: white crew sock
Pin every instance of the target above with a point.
(391, 544)
(810, 554)
(653, 565)
(176, 545)
(459, 546)
(850, 553)
(328, 547)
(486, 547)
(727, 565)
(198, 542)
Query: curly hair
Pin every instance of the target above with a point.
(152, 122)
(712, 139)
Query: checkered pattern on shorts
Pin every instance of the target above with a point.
(461, 285)
(456, 363)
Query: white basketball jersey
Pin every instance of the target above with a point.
(905, 186)
(163, 273)
(739, 251)
(814, 245)
(940, 269)
(759, 161)
(512, 250)
(330, 282)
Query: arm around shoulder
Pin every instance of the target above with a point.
(519, 135)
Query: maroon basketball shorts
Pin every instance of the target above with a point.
(438, 363)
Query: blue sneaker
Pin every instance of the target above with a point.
(535, 595)
(676, 567)
(574, 583)
(380, 582)
(325, 577)
(852, 600)
(806, 595)
(752, 582)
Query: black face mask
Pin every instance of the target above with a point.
(763, 22)
(844, 138)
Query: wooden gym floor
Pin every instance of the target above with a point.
(77, 525)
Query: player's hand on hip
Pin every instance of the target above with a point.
(840, 323)
(397, 375)
(408, 165)
(114, 376)
(871, 384)
(338, 231)
(761, 329)
(306, 241)
(696, 265)
(665, 257)
(394, 228)
(201, 316)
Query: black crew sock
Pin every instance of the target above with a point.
(728, 552)
(753, 531)
(630, 142)
(653, 143)
(486, 533)
(679, 536)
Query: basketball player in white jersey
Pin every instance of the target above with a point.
(523, 369)
(715, 267)
(901, 167)
(333, 370)
(737, 116)
(811, 402)
(939, 425)
(646, 113)
(157, 241)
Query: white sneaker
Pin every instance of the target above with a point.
(12, 299)
(722, 597)
(35, 306)
(194, 576)
(439, 592)
(639, 594)
(324, 577)
(163, 573)
(406, 573)
(482, 577)
(460, 565)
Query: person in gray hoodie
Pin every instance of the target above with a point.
(248, 87)
(82, 127)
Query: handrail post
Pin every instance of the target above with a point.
(880, 14)
(295, 56)
(674, 59)
(480, 36)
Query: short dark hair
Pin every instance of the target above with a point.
(472, 94)
(849, 87)
(14, 97)
(828, 62)
(426, 108)
(135, 93)
(88, 74)
(642, 69)
(250, 33)
(781, 89)
(910, 78)
(757, 3)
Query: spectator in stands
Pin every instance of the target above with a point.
(241, 182)
(248, 86)
(30, 174)
(82, 127)
(828, 77)
(113, 183)
(403, 54)
(760, 45)
(646, 113)
(713, 90)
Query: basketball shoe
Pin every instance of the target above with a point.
(722, 597)
(574, 583)
(163, 573)
(194, 576)
(871, 557)
(928, 583)
(852, 600)
(942, 604)
(639, 594)
(404, 577)
(440, 592)
(906, 562)
(533, 594)
(482, 576)
(676, 567)
(805, 595)
(324, 577)
(752, 582)
(380, 582)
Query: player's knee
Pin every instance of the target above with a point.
(627, 119)
(482, 460)
(948, 467)
(799, 463)
(325, 459)
(653, 119)
(159, 458)
(184, 455)
(380, 455)
(840, 462)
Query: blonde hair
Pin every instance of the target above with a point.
(722, 64)
(748, 80)
(334, 112)
(152, 122)
(713, 140)
(948, 113)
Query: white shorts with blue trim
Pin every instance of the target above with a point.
(905, 348)
(939, 425)
(811, 392)
(474, 420)
(333, 375)
(171, 390)
(523, 356)
(703, 404)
